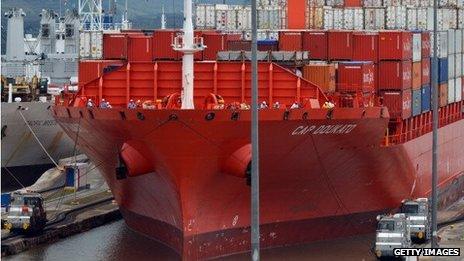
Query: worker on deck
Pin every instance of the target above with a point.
(263, 105)
(103, 104)
(276, 105)
(295, 105)
(90, 104)
(131, 104)
(328, 105)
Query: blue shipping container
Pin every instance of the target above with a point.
(70, 172)
(6, 198)
(416, 102)
(442, 70)
(426, 98)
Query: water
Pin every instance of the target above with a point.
(116, 241)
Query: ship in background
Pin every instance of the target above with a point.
(179, 166)
(38, 68)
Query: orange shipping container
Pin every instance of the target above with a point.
(443, 94)
(416, 75)
(353, 3)
(296, 13)
(323, 75)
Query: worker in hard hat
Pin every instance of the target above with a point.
(263, 105)
(90, 104)
(276, 105)
(295, 105)
(131, 104)
(103, 104)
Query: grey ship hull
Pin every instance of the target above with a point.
(21, 153)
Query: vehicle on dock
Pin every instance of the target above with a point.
(418, 213)
(392, 232)
(25, 212)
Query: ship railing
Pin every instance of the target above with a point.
(411, 128)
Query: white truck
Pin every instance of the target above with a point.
(25, 212)
(418, 213)
(392, 232)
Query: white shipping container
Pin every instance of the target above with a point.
(84, 44)
(221, 16)
(425, 3)
(316, 3)
(388, 3)
(460, 3)
(335, 2)
(430, 20)
(458, 65)
(91, 44)
(460, 23)
(442, 44)
(231, 19)
(416, 47)
(451, 91)
(244, 18)
(358, 23)
(205, 16)
(453, 18)
(422, 19)
(328, 18)
(443, 19)
(372, 3)
(374, 18)
(337, 18)
(411, 23)
(348, 18)
(451, 41)
(459, 41)
(458, 89)
(451, 67)
(315, 18)
(396, 17)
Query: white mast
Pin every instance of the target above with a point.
(189, 45)
(163, 19)
(125, 18)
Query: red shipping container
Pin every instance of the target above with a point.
(425, 71)
(290, 41)
(162, 45)
(395, 75)
(399, 103)
(296, 13)
(215, 43)
(115, 46)
(425, 45)
(140, 48)
(240, 45)
(416, 75)
(355, 77)
(315, 42)
(365, 46)
(353, 3)
(395, 45)
(340, 45)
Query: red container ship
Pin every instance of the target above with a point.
(182, 176)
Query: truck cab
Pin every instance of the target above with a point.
(418, 213)
(392, 232)
(26, 212)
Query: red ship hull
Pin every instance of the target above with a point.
(320, 178)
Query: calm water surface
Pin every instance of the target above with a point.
(116, 241)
